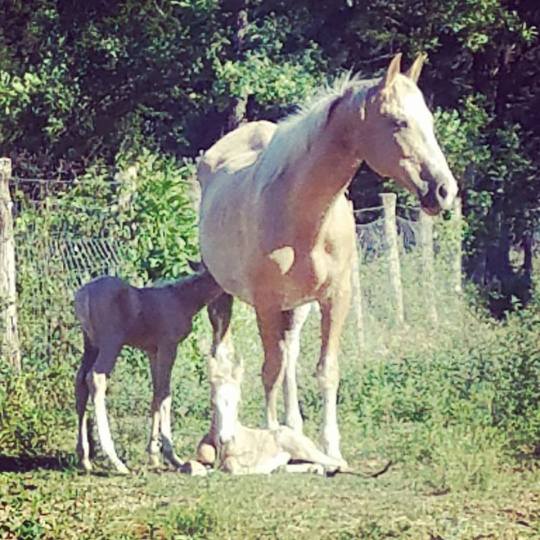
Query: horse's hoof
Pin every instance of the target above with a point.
(121, 469)
(86, 465)
(176, 463)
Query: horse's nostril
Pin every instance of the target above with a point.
(442, 192)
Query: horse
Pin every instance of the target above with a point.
(112, 314)
(277, 231)
(237, 449)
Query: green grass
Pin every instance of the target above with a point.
(67, 504)
(455, 410)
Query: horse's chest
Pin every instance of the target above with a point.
(289, 277)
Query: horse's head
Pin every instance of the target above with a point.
(225, 381)
(400, 140)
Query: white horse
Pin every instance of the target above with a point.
(277, 231)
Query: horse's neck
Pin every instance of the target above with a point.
(197, 291)
(310, 185)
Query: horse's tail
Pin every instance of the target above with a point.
(82, 308)
(204, 172)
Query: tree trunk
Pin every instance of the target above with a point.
(237, 109)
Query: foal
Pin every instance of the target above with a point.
(154, 319)
(242, 450)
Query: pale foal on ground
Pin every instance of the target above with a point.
(242, 450)
(154, 319)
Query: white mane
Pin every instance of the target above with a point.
(295, 133)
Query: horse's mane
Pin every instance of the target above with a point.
(295, 133)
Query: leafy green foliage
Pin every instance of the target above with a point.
(33, 415)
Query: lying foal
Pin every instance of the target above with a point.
(154, 319)
(242, 450)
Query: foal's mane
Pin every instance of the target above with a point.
(296, 132)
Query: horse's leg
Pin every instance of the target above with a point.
(305, 468)
(273, 325)
(334, 311)
(296, 320)
(220, 313)
(303, 448)
(268, 465)
(154, 446)
(97, 382)
(165, 358)
(81, 400)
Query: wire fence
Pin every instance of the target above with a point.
(57, 251)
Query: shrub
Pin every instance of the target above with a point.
(34, 411)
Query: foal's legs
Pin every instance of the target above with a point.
(97, 383)
(81, 400)
(334, 311)
(298, 317)
(161, 366)
(154, 443)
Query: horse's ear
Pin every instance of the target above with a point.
(393, 69)
(414, 71)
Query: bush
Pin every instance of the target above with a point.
(34, 411)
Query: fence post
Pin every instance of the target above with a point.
(9, 340)
(426, 236)
(456, 254)
(390, 231)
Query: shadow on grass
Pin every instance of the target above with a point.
(58, 462)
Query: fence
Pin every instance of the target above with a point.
(408, 266)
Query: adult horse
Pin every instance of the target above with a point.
(277, 231)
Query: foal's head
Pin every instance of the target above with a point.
(225, 381)
(400, 140)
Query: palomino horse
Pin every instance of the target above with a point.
(277, 231)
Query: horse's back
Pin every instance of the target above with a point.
(106, 305)
(238, 149)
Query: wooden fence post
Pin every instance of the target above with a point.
(9, 339)
(456, 251)
(390, 231)
(426, 240)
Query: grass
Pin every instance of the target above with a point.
(455, 410)
(67, 504)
